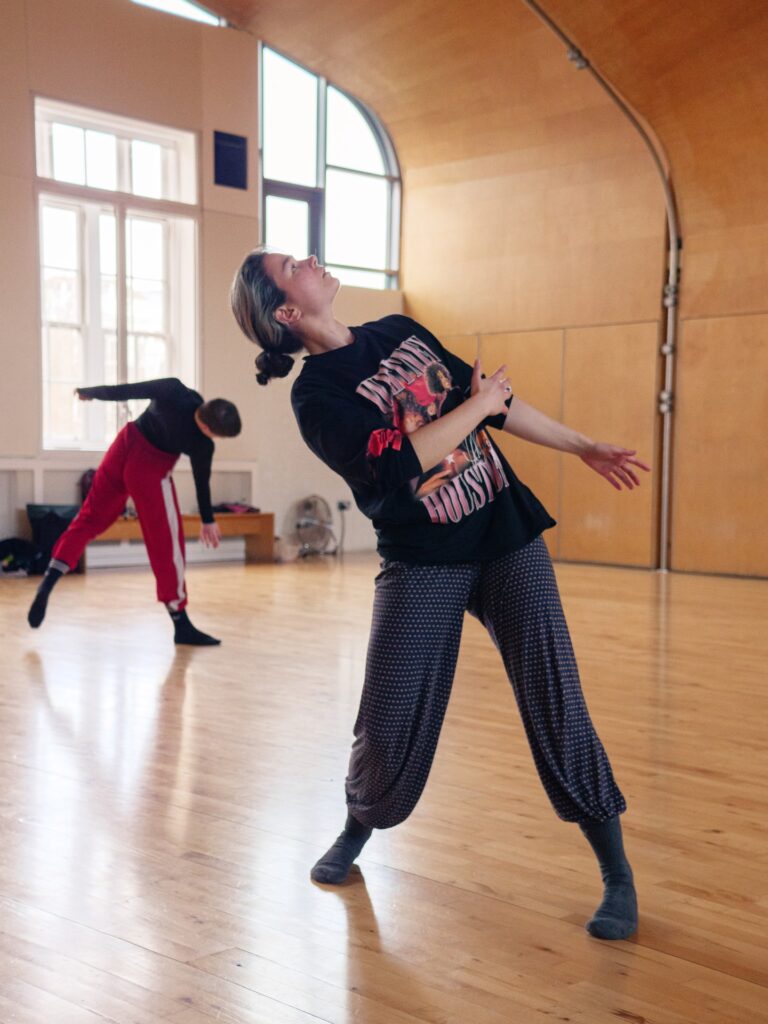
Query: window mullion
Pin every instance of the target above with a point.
(317, 209)
(389, 233)
(316, 240)
(364, 174)
(320, 136)
(83, 292)
(123, 164)
(166, 170)
(122, 305)
(92, 316)
(170, 311)
(393, 243)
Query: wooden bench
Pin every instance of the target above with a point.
(258, 529)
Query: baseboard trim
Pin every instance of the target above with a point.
(132, 552)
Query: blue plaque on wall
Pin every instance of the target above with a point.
(230, 160)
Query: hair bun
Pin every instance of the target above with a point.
(272, 364)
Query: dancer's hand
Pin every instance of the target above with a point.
(494, 390)
(615, 464)
(83, 398)
(210, 535)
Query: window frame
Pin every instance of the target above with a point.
(315, 196)
(124, 205)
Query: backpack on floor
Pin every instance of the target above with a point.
(21, 556)
(48, 522)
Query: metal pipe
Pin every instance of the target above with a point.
(671, 289)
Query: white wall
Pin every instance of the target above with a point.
(127, 59)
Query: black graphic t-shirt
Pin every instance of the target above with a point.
(356, 406)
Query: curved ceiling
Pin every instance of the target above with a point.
(427, 69)
(695, 70)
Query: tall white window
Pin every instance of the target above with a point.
(330, 178)
(118, 229)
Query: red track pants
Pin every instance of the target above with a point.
(133, 467)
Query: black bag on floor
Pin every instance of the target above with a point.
(48, 522)
(21, 556)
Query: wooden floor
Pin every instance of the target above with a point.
(160, 811)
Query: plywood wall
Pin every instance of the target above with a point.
(575, 375)
(534, 362)
(696, 71)
(721, 465)
(610, 383)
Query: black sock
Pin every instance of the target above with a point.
(53, 574)
(333, 867)
(185, 633)
(616, 917)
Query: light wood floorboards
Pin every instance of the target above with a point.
(160, 811)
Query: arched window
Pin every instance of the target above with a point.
(330, 180)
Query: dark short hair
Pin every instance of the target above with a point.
(221, 417)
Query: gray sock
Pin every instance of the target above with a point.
(616, 917)
(333, 867)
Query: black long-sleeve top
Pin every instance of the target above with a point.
(356, 406)
(169, 424)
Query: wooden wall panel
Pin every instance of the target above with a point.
(610, 387)
(721, 455)
(534, 364)
(527, 251)
(462, 345)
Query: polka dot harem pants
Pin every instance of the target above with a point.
(417, 621)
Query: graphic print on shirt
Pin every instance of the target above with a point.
(410, 389)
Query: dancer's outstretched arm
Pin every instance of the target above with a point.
(611, 461)
(164, 388)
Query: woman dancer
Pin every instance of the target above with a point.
(457, 532)
(138, 464)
